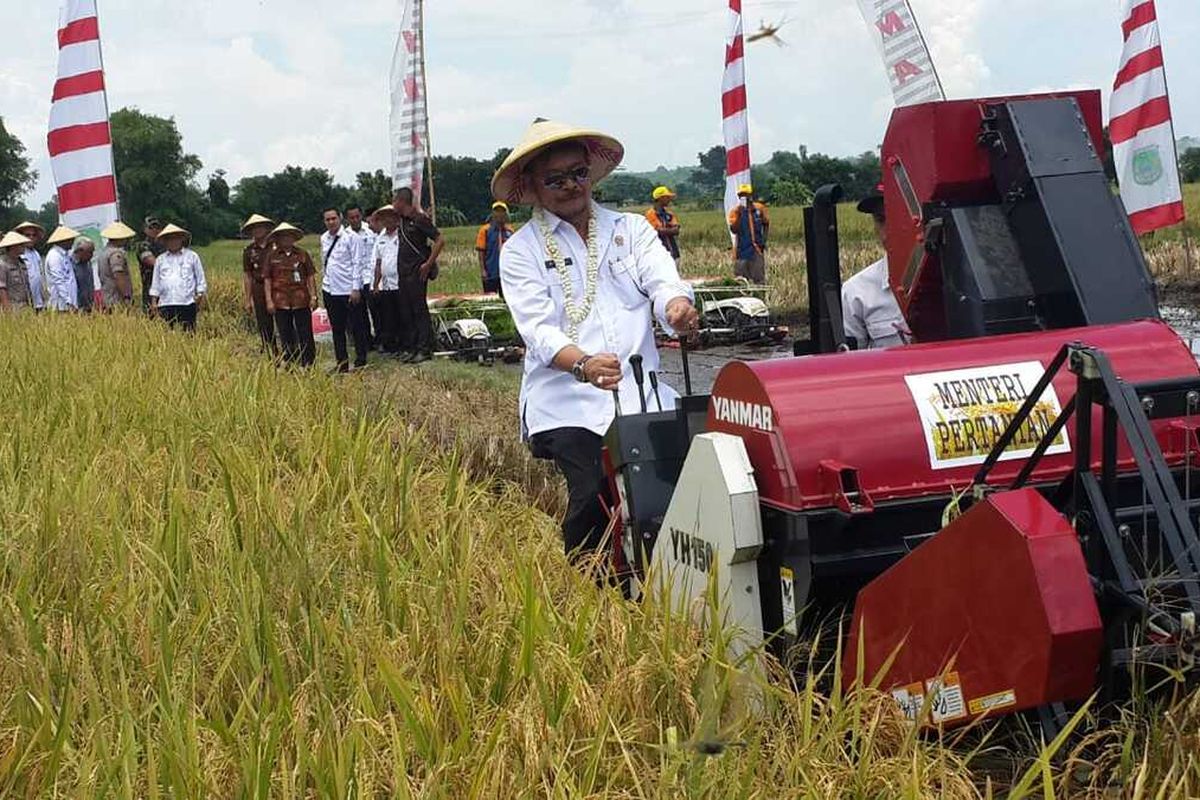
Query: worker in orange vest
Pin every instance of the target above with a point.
(750, 225)
(663, 220)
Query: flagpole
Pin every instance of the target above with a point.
(428, 145)
(107, 115)
(1189, 263)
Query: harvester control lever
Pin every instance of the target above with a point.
(639, 377)
(687, 372)
(654, 388)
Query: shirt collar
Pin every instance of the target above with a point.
(605, 221)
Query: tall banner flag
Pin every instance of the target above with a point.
(410, 113)
(736, 119)
(80, 140)
(905, 55)
(1140, 126)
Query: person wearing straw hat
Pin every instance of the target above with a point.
(289, 288)
(258, 228)
(15, 293)
(750, 225)
(116, 285)
(663, 220)
(33, 260)
(60, 274)
(490, 240)
(582, 283)
(178, 285)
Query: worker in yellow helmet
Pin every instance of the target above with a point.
(750, 226)
(663, 220)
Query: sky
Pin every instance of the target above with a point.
(256, 85)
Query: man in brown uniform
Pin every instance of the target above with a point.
(259, 228)
(289, 289)
(115, 282)
(14, 274)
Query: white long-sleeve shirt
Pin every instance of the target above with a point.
(366, 247)
(178, 278)
(341, 263)
(870, 312)
(637, 278)
(37, 278)
(386, 253)
(60, 275)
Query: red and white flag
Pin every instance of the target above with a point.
(80, 140)
(410, 112)
(1140, 126)
(902, 47)
(736, 119)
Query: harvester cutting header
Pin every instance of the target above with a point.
(1008, 504)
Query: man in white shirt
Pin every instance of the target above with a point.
(178, 285)
(366, 247)
(870, 314)
(60, 273)
(33, 262)
(582, 283)
(342, 285)
(386, 286)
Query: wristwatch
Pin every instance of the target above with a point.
(577, 370)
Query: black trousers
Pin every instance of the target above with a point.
(296, 335)
(577, 454)
(183, 316)
(264, 323)
(416, 326)
(493, 286)
(385, 305)
(345, 316)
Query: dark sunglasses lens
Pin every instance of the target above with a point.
(581, 176)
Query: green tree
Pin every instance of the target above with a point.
(297, 195)
(372, 189)
(790, 192)
(1189, 165)
(710, 177)
(465, 183)
(218, 190)
(154, 175)
(16, 178)
(624, 189)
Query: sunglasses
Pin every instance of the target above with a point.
(580, 176)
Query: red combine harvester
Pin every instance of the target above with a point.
(1048, 415)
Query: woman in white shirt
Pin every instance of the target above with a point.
(178, 286)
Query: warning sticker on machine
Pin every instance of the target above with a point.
(787, 595)
(945, 695)
(965, 412)
(981, 705)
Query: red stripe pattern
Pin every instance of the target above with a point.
(1157, 217)
(1127, 126)
(1140, 64)
(1141, 15)
(87, 83)
(79, 137)
(734, 107)
(81, 30)
(88, 143)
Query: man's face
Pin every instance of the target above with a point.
(33, 235)
(499, 216)
(354, 217)
(561, 183)
(174, 242)
(403, 205)
(881, 229)
(152, 231)
(333, 221)
(85, 253)
(374, 224)
(260, 232)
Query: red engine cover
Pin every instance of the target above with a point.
(916, 421)
(997, 608)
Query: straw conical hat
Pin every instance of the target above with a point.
(388, 209)
(27, 224)
(62, 234)
(118, 231)
(172, 229)
(256, 219)
(12, 239)
(509, 184)
(285, 227)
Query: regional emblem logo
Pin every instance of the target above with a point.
(1147, 166)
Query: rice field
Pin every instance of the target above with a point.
(222, 580)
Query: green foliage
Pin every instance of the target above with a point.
(218, 190)
(373, 189)
(297, 195)
(155, 176)
(465, 183)
(16, 177)
(623, 188)
(709, 179)
(1189, 165)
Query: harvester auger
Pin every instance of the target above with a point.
(1047, 413)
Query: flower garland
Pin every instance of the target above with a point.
(577, 312)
